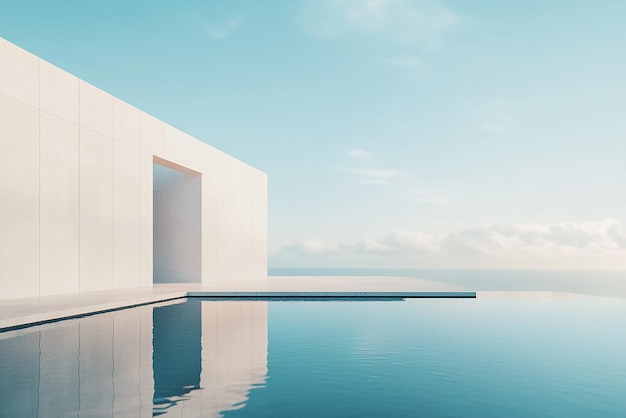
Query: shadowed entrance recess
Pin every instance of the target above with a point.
(177, 224)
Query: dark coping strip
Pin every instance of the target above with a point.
(269, 296)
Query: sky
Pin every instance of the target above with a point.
(395, 133)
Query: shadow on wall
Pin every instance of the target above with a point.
(177, 226)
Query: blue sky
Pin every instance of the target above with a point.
(395, 133)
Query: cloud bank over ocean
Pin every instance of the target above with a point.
(592, 244)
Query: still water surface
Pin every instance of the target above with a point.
(526, 354)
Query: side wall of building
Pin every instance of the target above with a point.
(76, 188)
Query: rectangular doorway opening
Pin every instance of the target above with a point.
(177, 223)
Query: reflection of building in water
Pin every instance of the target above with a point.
(234, 353)
(207, 356)
(95, 366)
(232, 337)
(177, 352)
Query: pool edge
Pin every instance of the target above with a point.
(53, 314)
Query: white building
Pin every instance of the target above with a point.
(97, 195)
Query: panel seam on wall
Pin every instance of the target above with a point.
(78, 195)
(57, 116)
(141, 186)
(80, 134)
(19, 101)
(39, 176)
(114, 214)
(114, 205)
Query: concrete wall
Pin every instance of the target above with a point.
(76, 188)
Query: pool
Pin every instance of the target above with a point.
(510, 354)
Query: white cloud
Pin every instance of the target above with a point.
(435, 200)
(306, 247)
(409, 64)
(618, 234)
(373, 175)
(420, 22)
(217, 30)
(222, 30)
(567, 243)
(396, 243)
(497, 117)
(393, 243)
(567, 239)
(358, 153)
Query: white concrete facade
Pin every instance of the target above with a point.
(77, 190)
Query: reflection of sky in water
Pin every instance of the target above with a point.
(515, 354)
(503, 354)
